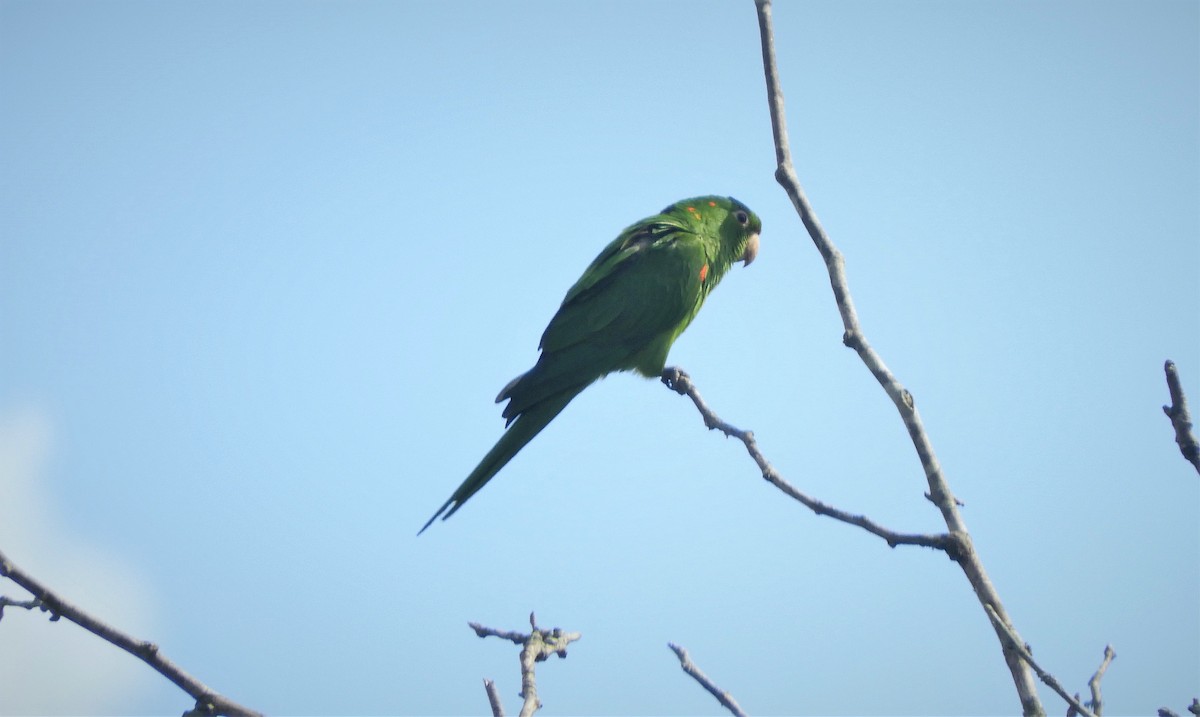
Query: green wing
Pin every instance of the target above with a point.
(624, 312)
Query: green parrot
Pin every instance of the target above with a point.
(623, 314)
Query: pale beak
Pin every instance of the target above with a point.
(751, 250)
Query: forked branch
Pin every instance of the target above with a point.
(536, 647)
(1022, 649)
(854, 337)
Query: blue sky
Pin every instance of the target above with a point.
(264, 265)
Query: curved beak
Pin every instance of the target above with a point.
(750, 251)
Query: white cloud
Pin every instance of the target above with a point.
(49, 668)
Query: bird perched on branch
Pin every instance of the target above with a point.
(623, 314)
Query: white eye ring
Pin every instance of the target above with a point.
(741, 217)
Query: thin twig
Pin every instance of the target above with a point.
(536, 647)
(493, 696)
(853, 337)
(1022, 649)
(33, 604)
(1180, 418)
(680, 382)
(1097, 704)
(513, 636)
(722, 696)
(208, 702)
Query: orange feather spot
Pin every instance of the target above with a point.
(703, 272)
(712, 204)
(691, 209)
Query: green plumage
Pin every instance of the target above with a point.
(623, 314)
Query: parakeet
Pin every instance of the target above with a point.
(623, 314)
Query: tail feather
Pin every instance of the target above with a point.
(561, 371)
(521, 431)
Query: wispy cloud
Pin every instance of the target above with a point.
(49, 668)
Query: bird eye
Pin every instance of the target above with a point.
(742, 217)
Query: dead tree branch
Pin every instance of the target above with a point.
(1180, 418)
(1096, 703)
(493, 696)
(853, 337)
(208, 702)
(722, 696)
(678, 381)
(536, 647)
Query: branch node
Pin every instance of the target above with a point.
(958, 546)
(203, 708)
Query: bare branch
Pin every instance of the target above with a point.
(513, 636)
(1097, 704)
(1022, 649)
(1180, 418)
(536, 647)
(493, 696)
(208, 702)
(853, 337)
(722, 696)
(680, 382)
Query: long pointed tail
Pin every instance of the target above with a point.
(523, 429)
